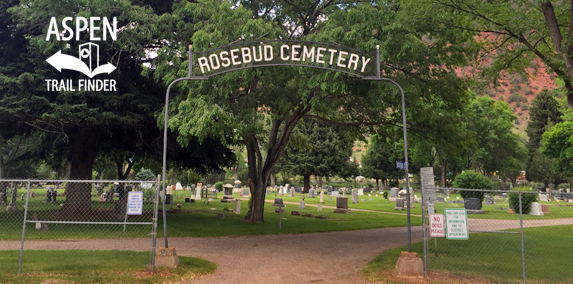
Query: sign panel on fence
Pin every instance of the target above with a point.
(428, 186)
(135, 203)
(456, 224)
(437, 226)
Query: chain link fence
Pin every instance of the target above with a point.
(74, 209)
(503, 236)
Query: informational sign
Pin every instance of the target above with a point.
(430, 207)
(428, 185)
(134, 203)
(401, 165)
(437, 226)
(456, 224)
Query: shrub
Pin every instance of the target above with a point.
(526, 199)
(524, 107)
(219, 186)
(472, 180)
(385, 194)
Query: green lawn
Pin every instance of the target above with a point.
(557, 209)
(195, 219)
(85, 266)
(495, 256)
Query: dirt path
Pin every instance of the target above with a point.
(333, 257)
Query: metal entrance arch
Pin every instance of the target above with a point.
(240, 56)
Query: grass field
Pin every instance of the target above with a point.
(196, 219)
(85, 266)
(496, 257)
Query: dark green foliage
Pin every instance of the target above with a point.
(516, 98)
(145, 174)
(524, 107)
(526, 200)
(472, 180)
(544, 113)
(219, 186)
(385, 194)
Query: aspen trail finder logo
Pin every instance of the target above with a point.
(88, 62)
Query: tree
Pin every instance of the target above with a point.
(557, 143)
(498, 148)
(316, 148)
(260, 107)
(77, 127)
(526, 30)
(544, 113)
(379, 161)
(472, 180)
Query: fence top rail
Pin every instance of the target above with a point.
(78, 180)
(488, 190)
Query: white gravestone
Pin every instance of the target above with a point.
(198, 190)
(319, 208)
(302, 203)
(335, 194)
(536, 209)
(360, 192)
(354, 197)
(237, 209)
(321, 197)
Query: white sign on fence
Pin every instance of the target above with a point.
(135, 203)
(437, 226)
(456, 224)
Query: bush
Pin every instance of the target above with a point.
(385, 194)
(526, 199)
(219, 186)
(472, 180)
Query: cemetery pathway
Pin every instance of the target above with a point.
(330, 257)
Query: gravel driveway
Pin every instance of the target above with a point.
(332, 257)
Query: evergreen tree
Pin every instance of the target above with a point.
(318, 149)
(543, 114)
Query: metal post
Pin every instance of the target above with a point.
(166, 116)
(154, 226)
(521, 231)
(424, 229)
(280, 216)
(23, 226)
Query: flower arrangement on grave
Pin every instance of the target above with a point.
(178, 205)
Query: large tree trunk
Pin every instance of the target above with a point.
(78, 194)
(377, 184)
(306, 183)
(319, 181)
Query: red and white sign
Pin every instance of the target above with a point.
(437, 228)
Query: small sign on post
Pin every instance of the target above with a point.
(456, 224)
(135, 203)
(401, 165)
(437, 226)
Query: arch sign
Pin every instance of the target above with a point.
(285, 53)
(204, 64)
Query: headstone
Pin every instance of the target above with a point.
(504, 195)
(319, 208)
(370, 198)
(22, 197)
(394, 192)
(330, 198)
(489, 201)
(321, 197)
(368, 189)
(237, 209)
(473, 206)
(298, 189)
(198, 192)
(291, 192)
(545, 209)
(329, 188)
(543, 197)
(399, 204)
(301, 206)
(536, 209)
(341, 205)
(360, 192)
(440, 200)
(335, 194)
(354, 196)
(178, 186)
(221, 216)
(245, 192)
